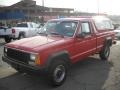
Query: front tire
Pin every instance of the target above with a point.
(21, 36)
(58, 73)
(105, 52)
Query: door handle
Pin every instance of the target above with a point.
(88, 36)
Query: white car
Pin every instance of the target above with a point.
(6, 33)
(25, 29)
(117, 33)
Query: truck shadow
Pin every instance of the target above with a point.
(89, 74)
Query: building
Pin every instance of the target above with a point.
(30, 11)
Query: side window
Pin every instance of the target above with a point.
(85, 28)
(31, 25)
(34, 25)
(104, 24)
(22, 25)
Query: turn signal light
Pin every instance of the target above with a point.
(37, 60)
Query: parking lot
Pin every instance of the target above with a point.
(90, 74)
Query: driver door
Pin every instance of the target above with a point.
(85, 44)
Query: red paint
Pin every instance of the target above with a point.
(77, 48)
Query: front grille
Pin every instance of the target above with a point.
(18, 55)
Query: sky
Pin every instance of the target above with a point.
(95, 6)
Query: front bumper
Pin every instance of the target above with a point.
(23, 66)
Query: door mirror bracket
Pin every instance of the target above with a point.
(81, 35)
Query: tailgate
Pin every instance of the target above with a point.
(5, 31)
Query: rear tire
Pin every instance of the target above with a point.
(57, 73)
(105, 52)
(7, 39)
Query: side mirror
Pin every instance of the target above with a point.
(81, 35)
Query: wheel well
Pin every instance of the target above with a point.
(108, 42)
(21, 33)
(63, 55)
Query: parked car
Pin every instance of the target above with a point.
(62, 43)
(25, 29)
(117, 33)
(6, 33)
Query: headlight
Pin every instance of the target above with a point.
(32, 57)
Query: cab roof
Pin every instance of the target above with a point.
(81, 18)
(70, 19)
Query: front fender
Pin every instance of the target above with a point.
(62, 55)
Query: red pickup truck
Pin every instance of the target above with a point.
(60, 43)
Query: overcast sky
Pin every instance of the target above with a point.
(105, 6)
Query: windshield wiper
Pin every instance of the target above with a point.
(55, 33)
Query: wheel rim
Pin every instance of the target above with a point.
(59, 73)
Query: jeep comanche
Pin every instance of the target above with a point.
(61, 42)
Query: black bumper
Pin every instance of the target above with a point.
(4, 36)
(22, 66)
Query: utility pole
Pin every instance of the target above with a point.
(43, 12)
(98, 7)
(43, 3)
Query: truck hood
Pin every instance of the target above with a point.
(33, 42)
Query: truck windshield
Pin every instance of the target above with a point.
(64, 28)
(22, 25)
